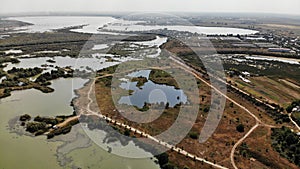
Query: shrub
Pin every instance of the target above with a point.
(194, 135)
(240, 128)
(25, 117)
(162, 159)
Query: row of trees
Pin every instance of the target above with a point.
(8, 59)
(54, 74)
(24, 73)
(9, 82)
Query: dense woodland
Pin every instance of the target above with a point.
(287, 144)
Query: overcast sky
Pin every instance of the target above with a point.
(257, 6)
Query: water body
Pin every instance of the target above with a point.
(154, 43)
(192, 29)
(95, 63)
(100, 47)
(21, 151)
(25, 151)
(48, 23)
(38, 152)
(150, 92)
(34, 102)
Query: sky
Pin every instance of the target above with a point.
(247, 6)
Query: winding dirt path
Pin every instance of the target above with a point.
(238, 143)
(174, 148)
(290, 116)
(258, 121)
(177, 149)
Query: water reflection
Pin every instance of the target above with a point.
(150, 92)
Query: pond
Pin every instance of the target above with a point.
(150, 92)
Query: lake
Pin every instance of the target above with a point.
(48, 23)
(76, 149)
(80, 148)
(192, 29)
(96, 62)
(38, 152)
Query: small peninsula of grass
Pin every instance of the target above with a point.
(50, 126)
(140, 81)
(21, 79)
(162, 77)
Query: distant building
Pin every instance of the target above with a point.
(244, 79)
(20, 83)
(281, 50)
(255, 38)
(3, 78)
(246, 73)
(4, 36)
(296, 109)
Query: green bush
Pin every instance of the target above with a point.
(240, 128)
(162, 159)
(25, 117)
(194, 135)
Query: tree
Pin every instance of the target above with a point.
(127, 132)
(167, 105)
(193, 135)
(291, 139)
(240, 128)
(162, 159)
(25, 117)
(168, 166)
(206, 109)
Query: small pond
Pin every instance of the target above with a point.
(150, 92)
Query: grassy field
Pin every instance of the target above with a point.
(271, 89)
(216, 149)
(262, 155)
(271, 80)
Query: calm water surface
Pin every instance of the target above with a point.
(150, 92)
(21, 151)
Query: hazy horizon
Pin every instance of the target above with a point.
(290, 7)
